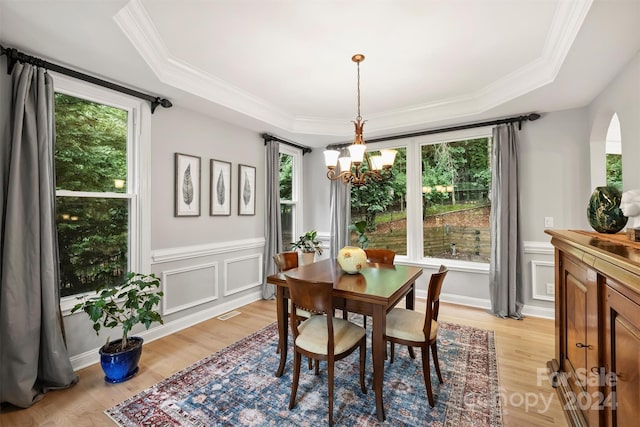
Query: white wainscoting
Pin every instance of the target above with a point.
(218, 248)
(189, 286)
(542, 274)
(242, 273)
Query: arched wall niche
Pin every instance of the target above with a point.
(598, 147)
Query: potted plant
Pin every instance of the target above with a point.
(125, 305)
(360, 228)
(309, 245)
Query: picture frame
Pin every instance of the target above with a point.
(246, 190)
(220, 185)
(187, 190)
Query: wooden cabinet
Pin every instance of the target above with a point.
(597, 364)
(622, 362)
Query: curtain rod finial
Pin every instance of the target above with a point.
(165, 103)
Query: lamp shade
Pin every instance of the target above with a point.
(331, 158)
(356, 152)
(388, 157)
(376, 162)
(345, 163)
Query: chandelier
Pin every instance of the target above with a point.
(350, 167)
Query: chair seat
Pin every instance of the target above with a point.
(408, 325)
(314, 335)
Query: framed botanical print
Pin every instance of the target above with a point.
(187, 185)
(246, 190)
(220, 184)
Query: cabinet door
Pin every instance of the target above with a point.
(581, 344)
(622, 363)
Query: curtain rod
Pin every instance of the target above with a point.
(267, 137)
(14, 56)
(519, 119)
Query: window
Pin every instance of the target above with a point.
(383, 206)
(97, 187)
(437, 205)
(614, 154)
(456, 181)
(290, 184)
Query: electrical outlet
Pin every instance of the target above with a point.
(551, 289)
(548, 222)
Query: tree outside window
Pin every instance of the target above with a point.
(453, 205)
(92, 203)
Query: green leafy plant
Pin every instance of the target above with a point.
(360, 229)
(308, 243)
(126, 305)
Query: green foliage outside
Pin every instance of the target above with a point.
(286, 176)
(456, 177)
(614, 171)
(90, 155)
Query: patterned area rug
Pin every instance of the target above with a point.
(237, 387)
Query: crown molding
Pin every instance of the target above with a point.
(137, 26)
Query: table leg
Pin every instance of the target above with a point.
(410, 303)
(377, 338)
(282, 312)
(410, 299)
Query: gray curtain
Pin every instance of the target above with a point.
(272, 226)
(505, 271)
(33, 354)
(340, 206)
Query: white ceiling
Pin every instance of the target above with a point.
(284, 66)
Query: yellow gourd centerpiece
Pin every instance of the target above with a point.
(352, 259)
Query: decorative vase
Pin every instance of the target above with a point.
(121, 366)
(307, 258)
(604, 211)
(352, 259)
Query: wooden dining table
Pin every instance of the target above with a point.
(374, 291)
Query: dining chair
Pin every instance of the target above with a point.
(378, 256)
(286, 261)
(416, 329)
(326, 337)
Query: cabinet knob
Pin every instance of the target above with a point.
(581, 345)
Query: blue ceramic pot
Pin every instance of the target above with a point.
(119, 367)
(604, 211)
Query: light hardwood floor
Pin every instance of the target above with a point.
(523, 349)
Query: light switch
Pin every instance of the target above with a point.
(548, 221)
(551, 289)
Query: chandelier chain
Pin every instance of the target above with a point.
(359, 117)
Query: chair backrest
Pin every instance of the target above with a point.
(433, 298)
(315, 297)
(286, 260)
(380, 256)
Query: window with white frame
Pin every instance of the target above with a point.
(437, 204)
(98, 185)
(290, 190)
